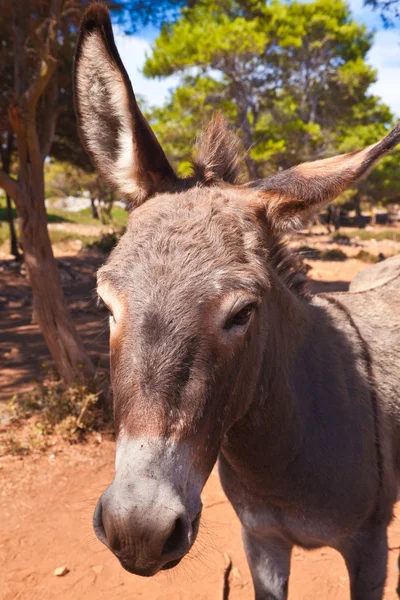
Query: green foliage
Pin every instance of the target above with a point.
(365, 234)
(10, 445)
(4, 233)
(178, 123)
(206, 37)
(291, 76)
(65, 179)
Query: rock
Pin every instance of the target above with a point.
(236, 573)
(376, 275)
(61, 571)
(97, 569)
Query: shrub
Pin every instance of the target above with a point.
(51, 408)
(341, 238)
(9, 444)
(367, 257)
(106, 242)
(334, 254)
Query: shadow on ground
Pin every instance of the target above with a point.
(24, 358)
(319, 287)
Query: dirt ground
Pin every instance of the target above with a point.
(46, 506)
(47, 499)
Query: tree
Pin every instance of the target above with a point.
(217, 37)
(190, 107)
(41, 36)
(37, 30)
(7, 141)
(291, 77)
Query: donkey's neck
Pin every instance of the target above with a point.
(303, 365)
(271, 428)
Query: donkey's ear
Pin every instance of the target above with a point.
(114, 131)
(292, 196)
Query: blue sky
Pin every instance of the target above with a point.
(384, 56)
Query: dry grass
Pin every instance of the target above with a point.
(50, 409)
(367, 257)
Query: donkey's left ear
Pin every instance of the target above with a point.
(114, 131)
(291, 197)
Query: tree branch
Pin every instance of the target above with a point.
(48, 115)
(40, 82)
(47, 64)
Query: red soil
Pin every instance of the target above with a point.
(46, 506)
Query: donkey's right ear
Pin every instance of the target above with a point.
(114, 131)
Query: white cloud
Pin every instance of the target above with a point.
(133, 52)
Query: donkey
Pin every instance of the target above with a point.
(217, 351)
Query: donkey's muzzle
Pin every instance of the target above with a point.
(145, 539)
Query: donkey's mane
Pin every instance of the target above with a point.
(218, 153)
(218, 158)
(289, 266)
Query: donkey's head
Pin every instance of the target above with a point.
(192, 289)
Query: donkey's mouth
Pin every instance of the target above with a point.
(140, 572)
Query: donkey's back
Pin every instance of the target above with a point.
(377, 275)
(373, 303)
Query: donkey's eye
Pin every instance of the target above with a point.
(242, 316)
(103, 306)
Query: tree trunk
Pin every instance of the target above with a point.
(6, 152)
(13, 235)
(50, 310)
(93, 207)
(357, 206)
(240, 96)
(34, 135)
(251, 168)
(248, 142)
(336, 217)
(51, 313)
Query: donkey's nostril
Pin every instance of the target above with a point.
(104, 529)
(98, 523)
(175, 540)
(196, 523)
